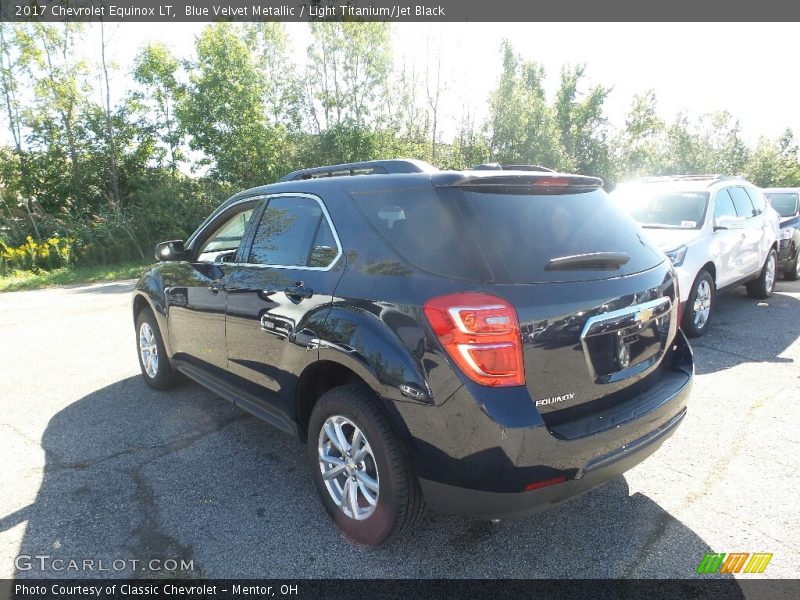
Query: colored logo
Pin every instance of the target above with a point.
(735, 562)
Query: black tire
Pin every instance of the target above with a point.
(399, 504)
(793, 273)
(164, 376)
(760, 288)
(690, 328)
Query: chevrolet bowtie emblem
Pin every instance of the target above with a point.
(645, 314)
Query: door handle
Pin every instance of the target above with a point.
(216, 286)
(298, 290)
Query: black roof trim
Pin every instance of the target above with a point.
(372, 167)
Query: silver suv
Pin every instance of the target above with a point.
(718, 231)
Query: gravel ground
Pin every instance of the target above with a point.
(98, 466)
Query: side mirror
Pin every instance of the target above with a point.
(170, 251)
(727, 222)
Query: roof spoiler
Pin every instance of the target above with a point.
(518, 183)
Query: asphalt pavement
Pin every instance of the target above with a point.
(97, 466)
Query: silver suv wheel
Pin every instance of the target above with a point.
(769, 276)
(148, 350)
(348, 467)
(702, 304)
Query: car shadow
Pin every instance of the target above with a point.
(133, 474)
(116, 287)
(744, 329)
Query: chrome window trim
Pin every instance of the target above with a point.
(328, 218)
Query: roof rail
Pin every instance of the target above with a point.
(499, 167)
(712, 178)
(372, 167)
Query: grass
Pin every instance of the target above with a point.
(27, 280)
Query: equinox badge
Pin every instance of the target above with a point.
(554, 399)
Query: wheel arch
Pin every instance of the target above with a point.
(140, 302)
(325, 375)
(711, 268)
(144, 299)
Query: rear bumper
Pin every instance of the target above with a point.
(479, 458)
(450, 499)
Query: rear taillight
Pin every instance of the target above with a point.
(481, 335)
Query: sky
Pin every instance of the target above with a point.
(748, 69)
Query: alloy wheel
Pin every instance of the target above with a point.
(769, 278)
(702, 304)
(148, 350)
(348, 467)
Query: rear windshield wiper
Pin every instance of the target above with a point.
(591, 260)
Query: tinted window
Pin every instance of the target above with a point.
(742, 202)
(293, 232)
(420, 228)
(759, 202)
(226, 238)
(723, 205)
(783, 202)
(520, 234)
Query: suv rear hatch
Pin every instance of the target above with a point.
(594, 299)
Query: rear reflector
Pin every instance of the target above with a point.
(544, 483)
(481, 335)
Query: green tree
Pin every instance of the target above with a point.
(60, 91)
(522, 126)
(156, 71)
(642, 143)
(223, 110)
(15, 175)
(775, 163)
(582, 125)
(725, 150)
(348, 71)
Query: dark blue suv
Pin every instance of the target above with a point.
(489, 342)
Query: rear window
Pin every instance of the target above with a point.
(785, 203)
(447, 231)
(520, 234)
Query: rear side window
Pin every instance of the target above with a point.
(723, 206)
(421, 228)
(521, 234)
(742, 203)
(293, 232)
